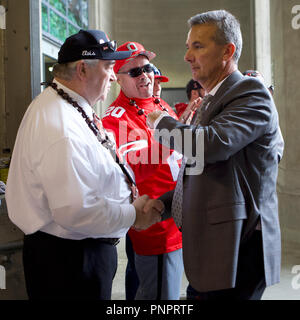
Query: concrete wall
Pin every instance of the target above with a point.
(286, 65)
(161, 26)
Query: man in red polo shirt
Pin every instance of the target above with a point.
(158, 253)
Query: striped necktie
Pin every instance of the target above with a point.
(201, 110)
(178, 193)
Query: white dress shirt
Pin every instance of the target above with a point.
(61, 180)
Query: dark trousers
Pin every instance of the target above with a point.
(57, 268)
(131, 277)
(250, 281)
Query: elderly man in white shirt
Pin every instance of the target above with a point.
(65, 190)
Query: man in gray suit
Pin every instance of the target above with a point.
(229, 212)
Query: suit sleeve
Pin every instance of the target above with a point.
(247, 112)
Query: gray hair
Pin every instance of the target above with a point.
(228, 28)
(66, 71)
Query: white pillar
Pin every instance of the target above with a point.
(2, 278)
(263, 39)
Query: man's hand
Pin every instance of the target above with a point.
(187, 114)
(152, 116)
(148, 212)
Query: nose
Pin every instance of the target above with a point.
(144, 77)
(143, 74)
(188, 56)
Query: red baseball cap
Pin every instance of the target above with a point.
(137, 50)
(162, 78)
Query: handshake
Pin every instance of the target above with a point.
(148, 212)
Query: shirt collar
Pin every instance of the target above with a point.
(216, 88)
(78, 98)
(139, 102)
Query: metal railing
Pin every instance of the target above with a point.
(3, 208)
(11, 247)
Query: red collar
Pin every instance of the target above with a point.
(142, 103)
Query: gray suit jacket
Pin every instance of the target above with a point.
(221, 206)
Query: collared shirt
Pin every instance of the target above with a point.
(62, 181)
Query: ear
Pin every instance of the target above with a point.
(118, 80)
(81, 69)
(229, 51)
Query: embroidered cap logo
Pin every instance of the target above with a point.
(132, 47)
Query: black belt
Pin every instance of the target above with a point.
(44, 235)
(113, 241)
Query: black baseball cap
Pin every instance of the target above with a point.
(90, 44)
(192, 85)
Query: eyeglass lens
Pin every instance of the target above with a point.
(111, 45)
(135, 72)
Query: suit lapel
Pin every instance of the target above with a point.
(215, 105)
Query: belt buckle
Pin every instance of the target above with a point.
(112, 241)
(117, 241)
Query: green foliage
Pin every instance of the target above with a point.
(45, 18)
(72, 29)
(74, 11)
(85, 14)
(58, 26)
(74, 15)
(60, 5)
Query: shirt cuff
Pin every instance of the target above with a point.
(129, 214)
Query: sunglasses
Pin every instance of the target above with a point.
(135, 72)
(111, 46)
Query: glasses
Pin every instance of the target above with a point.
(135, 72)
(111, 46)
